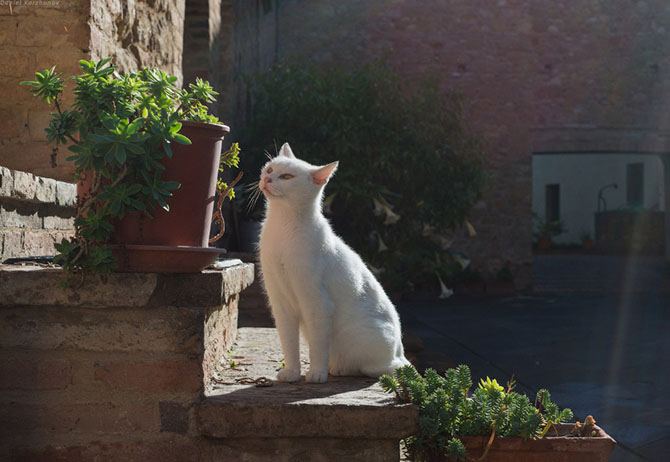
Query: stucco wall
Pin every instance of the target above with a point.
(535, 73)
(581, 176)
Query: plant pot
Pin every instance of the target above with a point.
(195, 167)
(548, 449)
(187, 224)
(544, 243)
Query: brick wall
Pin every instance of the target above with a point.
(113, 368)
(32, 38)
(37, 35)
(35, 212)
(204, 40)
(538, 75)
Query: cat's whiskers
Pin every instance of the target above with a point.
(256, 193)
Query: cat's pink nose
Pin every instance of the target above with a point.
(267, 180)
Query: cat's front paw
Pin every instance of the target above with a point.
(288, 375)
(316, 376)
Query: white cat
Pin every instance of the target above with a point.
(319, 285)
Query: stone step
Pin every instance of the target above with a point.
(345, 419)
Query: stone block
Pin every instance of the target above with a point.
(12, 243)
(151, 377)
(38, 243)
(176, 449)
(45, 190)
(122, 330)
(66, 194)
(344, 407)
(24, 186)
(12, 217)
(104, 418)
(35, 374)
(6, 182)
(205, 289)
(53, 222)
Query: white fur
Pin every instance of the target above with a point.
(319, 285)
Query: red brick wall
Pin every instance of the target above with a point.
(538, 75)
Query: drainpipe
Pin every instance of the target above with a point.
(666, 195)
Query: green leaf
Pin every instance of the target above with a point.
(181, 139)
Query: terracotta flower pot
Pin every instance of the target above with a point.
(548, 449)
(188, 222)
(544, 243)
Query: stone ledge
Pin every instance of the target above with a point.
(40, 286)
(24, 186)
(344, 407)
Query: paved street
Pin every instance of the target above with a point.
(601, 349)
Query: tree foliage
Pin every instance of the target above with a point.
(409, 166)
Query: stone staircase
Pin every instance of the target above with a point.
(345, 419)
(143, 367)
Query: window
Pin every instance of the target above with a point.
(552, 210)
(635, 184)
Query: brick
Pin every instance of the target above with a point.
(162, 376)
(181, 450)
(22, 66)
(36, 243)
(65, 33)
(45, 190)
(6, 182)
(90, 418)
(11, 124)
(66, 194)
(175, 417)
(12, 217)
(24, 186)
(45, 374)
(38, 121)
(7, 30)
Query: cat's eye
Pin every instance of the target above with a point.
(286, 176)
(269, 170)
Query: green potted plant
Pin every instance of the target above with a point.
(142, 147)
(491, 423)
(545, 231)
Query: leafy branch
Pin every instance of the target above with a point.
(119, 129)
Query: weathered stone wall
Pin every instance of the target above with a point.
(535, 73)
(35, 213)
(113, 368)
(38, 35)
(139, 33)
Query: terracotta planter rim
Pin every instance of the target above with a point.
(205, 126)
(549, 443)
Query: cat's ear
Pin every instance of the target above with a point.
(321, 175)
(285, 151)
